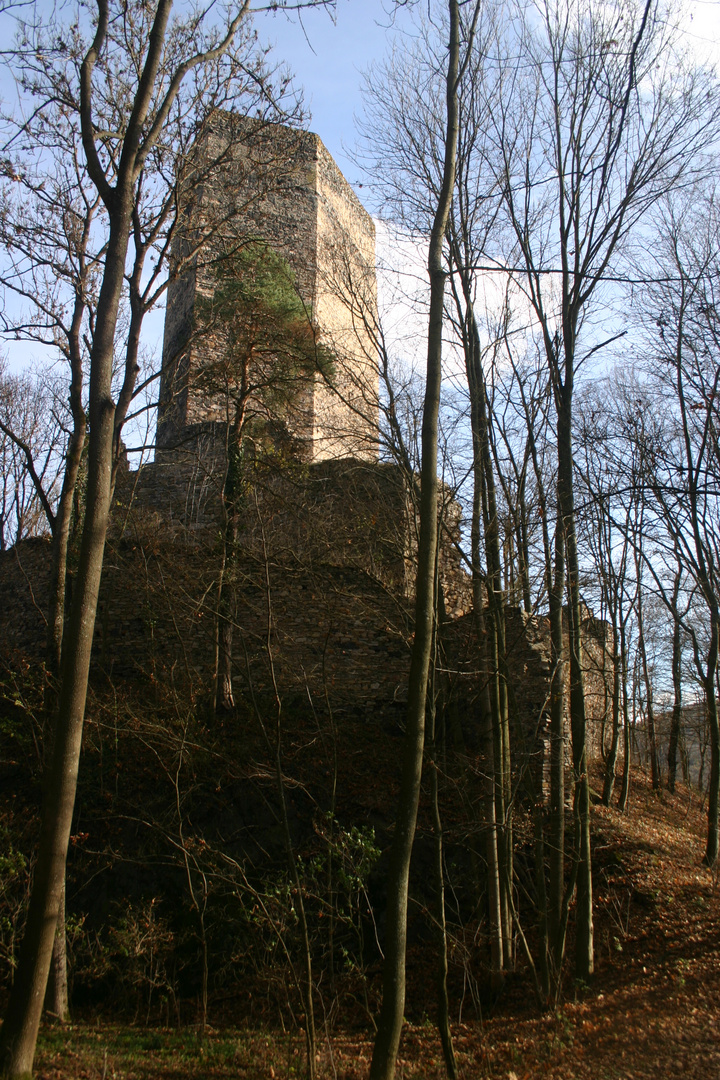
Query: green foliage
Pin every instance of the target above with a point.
(14, 892)
(256, 281)
(131, 957)
(262, 343)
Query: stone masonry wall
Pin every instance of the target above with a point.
(281, 186)
(322, 599)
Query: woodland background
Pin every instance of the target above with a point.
(246, 859)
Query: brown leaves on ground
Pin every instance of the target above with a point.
(653, 1009)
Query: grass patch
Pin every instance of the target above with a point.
(112, 1052)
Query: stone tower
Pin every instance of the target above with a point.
(280, 186)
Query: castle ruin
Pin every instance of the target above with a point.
(280, 186)
(325, 573)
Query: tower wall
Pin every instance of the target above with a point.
(280, 186)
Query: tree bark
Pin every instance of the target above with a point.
(649, 705)
(625, 786)
(439, 869)
(676, 720)
(584, 958)
(713, 834)
(556, 882)
(390, 1021)
(19, 1033)
(491, 636)
(56, 995)
(611, 759)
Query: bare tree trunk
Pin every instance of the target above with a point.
(523, 545)
(497, 657)
(611, 759)
(56, 998)
(491, 635)
(544, 962)
(225, 698)
(390, 1021)
(711, 849)
(676, 720)
(625, 786)
(713, 835)
(56, 995)
(556, 884)
(19, 1033)
(488, 771)
(231, 500)
(584, 958)
(650, 711)
(439, 869)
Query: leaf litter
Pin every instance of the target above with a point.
(652, 1011)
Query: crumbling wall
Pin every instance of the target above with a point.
(529, 675)
(323, 596)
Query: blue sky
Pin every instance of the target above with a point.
(328, 59)
(328, 56)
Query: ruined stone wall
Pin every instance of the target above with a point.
(323, 596)
(337, 511)
(328, 633)
(529, 676)
(327, 591)
(280, 186)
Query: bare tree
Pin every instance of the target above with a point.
(31, 441)
(580, 154)
(681, 451)
(120, 81)
(391, 1016)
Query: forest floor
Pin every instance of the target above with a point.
(653, 1009)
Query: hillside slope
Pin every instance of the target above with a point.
(653, 1010)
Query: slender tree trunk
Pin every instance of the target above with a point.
(494, 631)
(439, 870)
(225, 699)
(56, 995)
(56, 1000)
(711, 849)
(650, 711)
(488, 771)
(60, 541)
(232, 504)
(556, 880)
(676, 720)
(625, 786)
(584, 953)
(497, 644)
(611, 759)
(224, 695)
(390, 1021)
(544, 962)
(524, 546)
(19, 1034)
